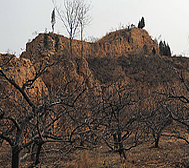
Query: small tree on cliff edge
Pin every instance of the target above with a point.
(74, 15)
(53, 20)
(141, 23)
(69, 17)
(84, 19)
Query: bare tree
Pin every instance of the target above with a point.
(175, 104)
(119, 118)
(157, 121)
(74, 14)
(19, 118)
(84, 19)
(69, 17)
(37, 123)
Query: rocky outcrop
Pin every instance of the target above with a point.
(127, 54)
(114, 44)
(128, 41)
(20, 70)
(53, 48)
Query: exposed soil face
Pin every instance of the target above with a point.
(21, 70)
(125, 53)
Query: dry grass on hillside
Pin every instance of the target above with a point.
(172, 153)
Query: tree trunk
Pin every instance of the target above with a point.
(15, 157)
(38, 153)
(71, 46)
(82, 140)
(81, 41)
(115, 141)
(120, 142)
(82, 49)
(157, 141)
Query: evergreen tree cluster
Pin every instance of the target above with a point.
(164, 49)
(141, 23)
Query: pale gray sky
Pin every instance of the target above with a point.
(168, 18)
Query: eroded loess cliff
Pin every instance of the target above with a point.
(114, 44)
(99, 64)
(128, 54)
(20, 70)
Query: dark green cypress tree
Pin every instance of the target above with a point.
(164, 49)
(154, 51)
(161, 48)
(53, 20)
(168, 50)
(141, 23)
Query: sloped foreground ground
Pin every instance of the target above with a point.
(172, 153)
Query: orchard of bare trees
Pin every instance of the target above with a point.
(116, 116)
(59, 105)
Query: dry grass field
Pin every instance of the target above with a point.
(172, 153)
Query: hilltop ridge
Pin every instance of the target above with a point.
(127, 54)
(130, 40)
(124, 41)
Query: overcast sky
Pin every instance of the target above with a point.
(20, 19)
